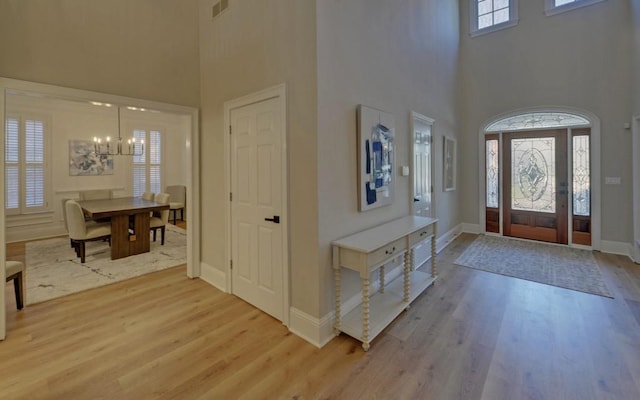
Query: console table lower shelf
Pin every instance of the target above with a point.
(388, 306)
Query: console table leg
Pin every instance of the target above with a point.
(365, 313)
(338, 289)
(381, 275)
(407, 281)
(434, 271)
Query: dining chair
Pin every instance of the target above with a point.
(148, 196)
(160, 218)
(14, 271)
(80, 231)
(98, 194)
(178, 195)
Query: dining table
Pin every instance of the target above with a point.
(129, 216)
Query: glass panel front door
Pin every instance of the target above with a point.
(536, 185)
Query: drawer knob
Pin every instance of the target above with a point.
(423, 233)
(390, 251)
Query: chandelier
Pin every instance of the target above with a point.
(118, 147)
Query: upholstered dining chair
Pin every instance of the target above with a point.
(98, 194)
(161, 218)
(148, 196)
(80, 231)
(14, 270)
(178, 195)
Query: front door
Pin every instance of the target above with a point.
(256, 205)
(536, 185)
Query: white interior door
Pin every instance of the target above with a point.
(422, 194)
(256, 206)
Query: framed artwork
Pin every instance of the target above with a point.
(376, 130)
(449, 160)
(84, 161)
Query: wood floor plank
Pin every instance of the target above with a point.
(473, 335)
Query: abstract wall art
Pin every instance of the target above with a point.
(84, 161)
(376, 130)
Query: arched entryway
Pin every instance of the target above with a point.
(540, 176)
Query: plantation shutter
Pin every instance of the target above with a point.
(34, 164)
(25, 174)
(12, 166)
(147, 167)
(155, 161)
(139, 166)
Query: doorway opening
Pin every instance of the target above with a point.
(540, 172)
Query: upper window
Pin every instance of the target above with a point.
(553, 7)
(491, 15)
(26, 154)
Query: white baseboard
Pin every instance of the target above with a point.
(213, 276)
(316, 331)
(622, 248)
(445, 239)
(470, 228)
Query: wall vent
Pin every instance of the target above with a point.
(219, 7)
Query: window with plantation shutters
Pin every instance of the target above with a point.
(147, 167)
(26, 188)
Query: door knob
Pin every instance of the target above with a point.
(415, 199)
(275, 219)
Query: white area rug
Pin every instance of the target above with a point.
(53, 270)
(560, 266)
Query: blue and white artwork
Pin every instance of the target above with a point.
(376, 157)
(84, 161)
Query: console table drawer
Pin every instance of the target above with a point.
(386, 252)
(420, 235)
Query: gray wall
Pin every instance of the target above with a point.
(144, 49)
(579, 59)
(399, 56)
(253, 45)
(635, 51)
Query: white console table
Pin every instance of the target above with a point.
(368, 251)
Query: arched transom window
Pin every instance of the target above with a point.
(536, 120)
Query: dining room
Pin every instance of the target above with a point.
(67, 147)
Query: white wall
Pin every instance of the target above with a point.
(399, 56)
(145, 49)
(578, 59)
(71, 120)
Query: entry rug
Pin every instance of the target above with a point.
(561, 266)
(53, 270)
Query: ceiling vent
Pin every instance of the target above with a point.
(219, 7)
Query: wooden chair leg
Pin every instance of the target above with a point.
(154, 234)
(17, 286)
(181, 214)
(82, 252)
(175, 213)
(162, 238)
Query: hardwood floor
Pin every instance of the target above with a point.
(474, 335)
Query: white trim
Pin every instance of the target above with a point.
(214, 277)
(191, 146)
(3, 255)
(316, 331)
(635, 174)
(550, 8)
(596, 194)
(276, 92)
(470, 228)
(473, 19)
(621, 248)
